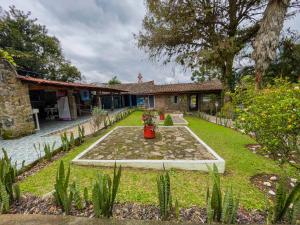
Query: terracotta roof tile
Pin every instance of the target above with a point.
(151, 88)
(65, 84)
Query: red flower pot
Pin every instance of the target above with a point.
(162, 116)
(149, 132)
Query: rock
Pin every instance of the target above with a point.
(180, 139)
(294, 180)
(271, 192)
(268, 184)
(273, 178)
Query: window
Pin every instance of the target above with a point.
(175, 99)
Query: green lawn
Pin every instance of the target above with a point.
(189, 187)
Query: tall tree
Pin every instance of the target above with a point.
(32, 48)
(267, 38)
(114, 80)
(196, 33)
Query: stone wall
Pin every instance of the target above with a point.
(165, 102)
(15, 109)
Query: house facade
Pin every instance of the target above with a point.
(181, 97)
(25, 101)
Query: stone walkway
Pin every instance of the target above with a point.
(72, 220)
(23, 148)
(171, 143)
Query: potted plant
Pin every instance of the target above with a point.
(149, 125)
(161, 114)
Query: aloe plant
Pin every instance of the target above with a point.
(164, 195)
(62, 195)
(284, 201)
(105, 192)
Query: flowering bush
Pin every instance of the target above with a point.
(273, 116)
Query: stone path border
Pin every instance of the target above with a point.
(202, 165)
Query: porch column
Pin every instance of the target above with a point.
(130, 101)
(112, 102)
(72, 105)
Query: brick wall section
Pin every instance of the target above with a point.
(165, 102)
(15, 108)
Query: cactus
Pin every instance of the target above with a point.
(164, 195)
(105, 192)
(62, 196)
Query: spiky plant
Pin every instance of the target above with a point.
(75, 189)
(8, 174)
(164, 195)
(62, 195)
(284, 201)
(105, 192)
(65, 143)
(4, 199)
(216, 195)
(86, 195)
(72, 140)
(48, 150)
(229, 208)
(81, 134)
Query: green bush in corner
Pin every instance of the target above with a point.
(168, 121)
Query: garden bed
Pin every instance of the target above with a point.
(36, 205)
(173, 147)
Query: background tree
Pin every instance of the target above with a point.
(196, 33)
(267, 38)
(114, 80)
(34, 51)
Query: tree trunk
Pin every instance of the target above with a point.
(267, 38)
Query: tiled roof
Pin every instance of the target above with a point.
(151, 88)
(65, 84)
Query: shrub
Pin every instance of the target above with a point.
(62, 195)
(164, 195)
(48, 150)
(273, 115)
(168, 121)
(98, 117)
(105, 192)
(285, 203)
(220, 209)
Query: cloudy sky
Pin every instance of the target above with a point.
(97, 36)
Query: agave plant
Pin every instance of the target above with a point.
(62, 195)
(284, 202)
(105, 192)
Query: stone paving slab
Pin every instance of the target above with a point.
(18, 219)
(170, 143)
